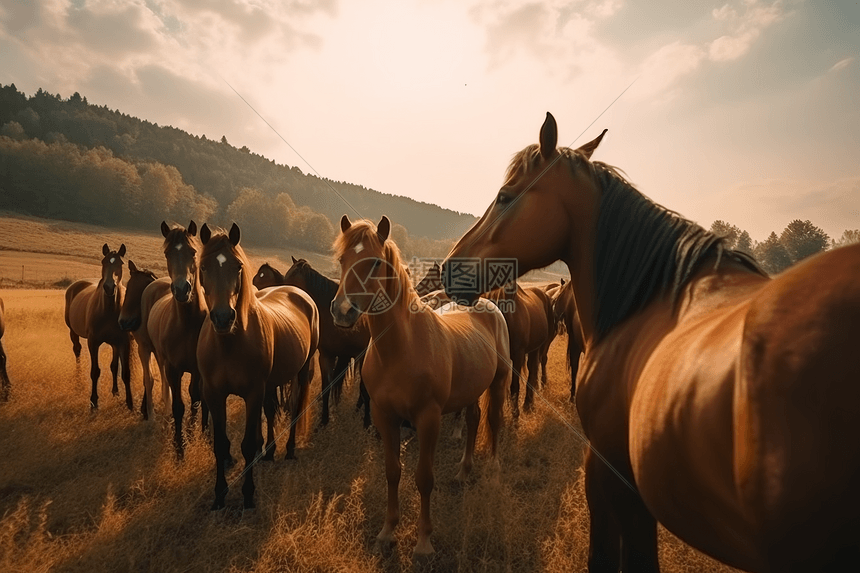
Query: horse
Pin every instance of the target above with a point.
(174, 321)
(546, 292)
(253, 342)
(720, 399)
(420, 364)
(431, 282)
(564, 313)
(91, 312)
(133, 318)
(337, 345)
(5, 385)
(526, 313)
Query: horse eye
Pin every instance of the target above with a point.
(377, 263)
(503, 199)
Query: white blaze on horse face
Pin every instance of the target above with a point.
(221, 259)
(262, 275)
(178, 247)
(359, 247)
(112, 259)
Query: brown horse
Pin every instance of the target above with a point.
(92, 311)
(564, 312)
(420, 364)
(431, 282)
(5, 385)
(253, 342)
(723, 399)
(337, 346)
(133, 318)
(526, 313)
(174, 321)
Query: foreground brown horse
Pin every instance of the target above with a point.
(133, 318)
(174, 321)
(5, 385)
(725, 400)
(253, 342)
(564, 311)
(420, 364)
(92, 312)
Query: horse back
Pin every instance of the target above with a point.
(292, 318)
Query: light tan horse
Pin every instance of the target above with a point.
(133, 317)
(726, 401)
(91, 312)
(253, 342)
(174, 321)
(421, 363)
(5, 385)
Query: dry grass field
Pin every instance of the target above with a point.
(82, 491)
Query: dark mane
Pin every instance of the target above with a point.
(642, 249)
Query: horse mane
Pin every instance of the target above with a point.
(642, 249)
(317, 281)
(364, 231)
(246, 300)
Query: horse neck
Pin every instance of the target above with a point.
(321, 288)
(110, 303)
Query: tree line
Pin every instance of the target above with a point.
(799, 240)
(149, 171)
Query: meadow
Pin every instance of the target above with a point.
(103, 491)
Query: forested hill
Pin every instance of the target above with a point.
(212, 174)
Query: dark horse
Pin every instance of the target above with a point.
(133, 318)
(726, 401)
(5, 385)
(174, 322)
(337, 345)
(254, 341)
(92, 311)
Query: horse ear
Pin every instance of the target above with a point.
(294, 259)
(131, 266)
(562, 282)
(192, 228)
(344, 223)
(205, 234)
(589, 147)
(164, 229)
(234, 234)
(105, 250)
(548, 136)
(383, 229)
(121, 251)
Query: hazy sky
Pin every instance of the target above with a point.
(746, 110)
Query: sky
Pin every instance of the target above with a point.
(742, 110)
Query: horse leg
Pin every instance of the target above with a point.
(572, 364)
(76, 344)
(544, 358)
(95, 372)
(364, 399)
(252, 443)
(327, 363)
(388, 425)
(125, 363)
(270, 406)
(114, 369)
(638, 531)
(496, 407)
(473, 416)
(5, 385)
(221, 447)
(518, 358)
(604, 544)
(533, 359)
(428, 434)
(174, 379)
(194, 393)
(145, 364)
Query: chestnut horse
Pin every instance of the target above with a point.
(174, 321)
(420, 363)
(91, 312)
(133, 318)
(253, 342)
(5, 385)
(724, 400)
(337, 346)
(564, 312)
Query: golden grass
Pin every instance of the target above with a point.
(102, 492)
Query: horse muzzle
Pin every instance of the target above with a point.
(223, 320)
(181, 292)
(343, 313)
(110, 289)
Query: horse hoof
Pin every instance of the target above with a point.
(93, 406)
(115, 392)
(290, 456)
(219, 505)
(384, 548)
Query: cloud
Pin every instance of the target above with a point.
(841, 64)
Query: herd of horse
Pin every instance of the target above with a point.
(716, 400)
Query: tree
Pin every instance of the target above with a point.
(848, 236)
(744, 243)
(772, 255)
(727, 231)
(802, 239)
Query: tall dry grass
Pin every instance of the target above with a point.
(82, 491)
